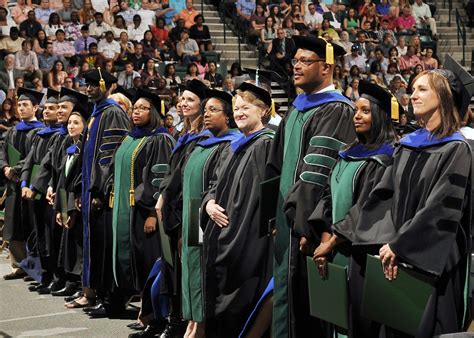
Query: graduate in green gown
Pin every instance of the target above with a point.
(136, 244)
(359, 168)
(200, 168)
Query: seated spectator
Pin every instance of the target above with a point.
(73, 68)
(86, 13)
(428, 61)
(27, 62)
(126, 12)
(160, 33)
(94, 59)
(62, 47)
(364, 8)
(352, 92)
(401, 46)
(137, 29)
(52, 26)
(47, 58)
(410, 59)
(43, 12)
(338, 77)
(345, 42)
(370, 35)
(289, 28)
(276, 15)
(215, 79)
(8, 75)
(387, 44)
(244, 10)
(257, 23)
(334, 16)
(422, 14)
(392, 71)
(192, 73)
(110, 67)
(175, 33)
(81, 45)
(56, 5)
(201, 63)
(188, 14)
(73, 28)
(163, 92)
(326, 28)
(397, 87)
(147, 16)
(98, 28)
(119, 26)
(392, 18)
(149, 74)
(126, 49)
(172, 80)
(150, 47)
(139, 59)
(79, 81)
(30, 27)
(167, 54)
(6, 22)
(167, 13)
(364, 47)
(406, 22)
(12, 43)
(137, 84)
(355, 59)
(19, 83)
(312, 18)
(383, 8)
(418, 69)
(228, 85)
(66, 12)
(380, 58)
(109, 48)
(354, 73)
(371, 18)
(384, 29)
(268, 33)
(351, 23)
(298, 17)
(415, 41)
(280, 52)
(56, 76)
(126, 77)
(20, 11)
(200, 33)
(187, 49)
(39, 43)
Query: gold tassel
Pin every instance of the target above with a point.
(329, 53)
(103, 88)
(111, 200)
(273, 108)
(394, 109)
(132, 197)
(162, 108)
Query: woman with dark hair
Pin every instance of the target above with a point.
(54, 23)
(289, 27)
(172, 80)
(352, 92)
(200, 168)
(359, 168)
(238, 261)
(354, 73)
(235, 69)
(268, 33)
(214, 78)
(419, 213)
(134, 220)
(149, 74)
(351, 23)
(298, 17)
(200, 33)
(8, 118)
(276, 15)
(149, 45)
(160, 33)
(192, 73)
(57, 75)
(326, 28)
(418, 69)
(119, 26)
(40, 41)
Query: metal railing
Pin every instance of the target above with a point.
(450, 9)
(461, 34)
(225, 13)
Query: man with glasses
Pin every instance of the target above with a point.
(309, 138)
(106, 129)
(312, 18)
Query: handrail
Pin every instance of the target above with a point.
(223, 12)
(461, 34)
(450, 9)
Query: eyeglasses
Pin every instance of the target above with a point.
(141, 109)
(212, 110)
(304, 62)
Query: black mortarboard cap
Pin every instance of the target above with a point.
(78, 99)
(125, 92)
(219, 94)
(29, 94)
(320, 46)
(386, 100)
(197, 87)
(259, 92)
(52, 93)
(463, 89)
(96, 75)
(153, 98)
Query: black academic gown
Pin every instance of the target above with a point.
(238, 263)
(301, 186)
(18, 214)
(367, 176)
(106, 129)
(421, 208)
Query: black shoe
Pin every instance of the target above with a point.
(68, 290)
(174, 329)
(36, 287)
(73, 297)
(28, 279)
(150, 331)
(136, 326)
(45, 290)
(91, 308)
(98, 312)
(56, 285)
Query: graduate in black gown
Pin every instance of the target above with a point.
(170, 203)
(18, 142)
(42, 211)
(359, 168)
(420, 211)
(238, 261)
(306, 143)
(106, 128)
